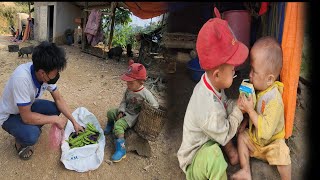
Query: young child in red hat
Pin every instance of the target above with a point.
(127, 114)
(210, 120)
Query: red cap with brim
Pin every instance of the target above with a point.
(127, 78)
(136, 71)
(217, 45)
(239, 56)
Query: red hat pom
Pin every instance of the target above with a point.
(217, 13)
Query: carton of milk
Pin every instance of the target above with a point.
(247, 89)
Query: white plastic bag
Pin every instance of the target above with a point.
(84, 158)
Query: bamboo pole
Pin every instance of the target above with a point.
(84, 39)
(113, 10)
(29, 9)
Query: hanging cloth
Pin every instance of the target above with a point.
(98, 37)
(263, 8)
(93, 23)
(292, 42)
(93, 26)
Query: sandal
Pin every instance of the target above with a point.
(24, 152)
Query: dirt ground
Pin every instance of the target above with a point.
(94, 83)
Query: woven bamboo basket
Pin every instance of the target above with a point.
(150, 121)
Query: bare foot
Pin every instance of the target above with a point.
(241, 175)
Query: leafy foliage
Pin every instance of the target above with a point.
(8, 13)
(122, 16)
(151, 27)
(124, 33)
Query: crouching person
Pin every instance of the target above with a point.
(22, 112)
(127, 114)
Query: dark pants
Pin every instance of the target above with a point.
(27, 134)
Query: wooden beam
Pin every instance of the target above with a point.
(84, 39)
(179, 44)
(113, 10)
(91, 53)
(104, 13)
(121, 4)
(98, 7)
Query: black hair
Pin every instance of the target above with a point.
(48, 56)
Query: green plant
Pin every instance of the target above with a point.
(8, 14)
(122, 16)
(153, 26)
(123, 35)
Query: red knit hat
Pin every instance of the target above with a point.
(136, 71)
(216, 44)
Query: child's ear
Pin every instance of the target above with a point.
(215, 73)
(270, 79)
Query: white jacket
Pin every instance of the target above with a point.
(206, 118)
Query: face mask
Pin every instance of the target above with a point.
(54, 80)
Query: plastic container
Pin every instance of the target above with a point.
(69, 39)
(195, 70)
(240, 24)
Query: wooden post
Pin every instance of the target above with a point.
(113, 10)
(84, 39)
(29, 9)
(29, 21)
(163, 19)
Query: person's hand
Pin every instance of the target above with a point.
(240, 105)
(77, 127)
(245, 104)
(61, 122)
(120, 115)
